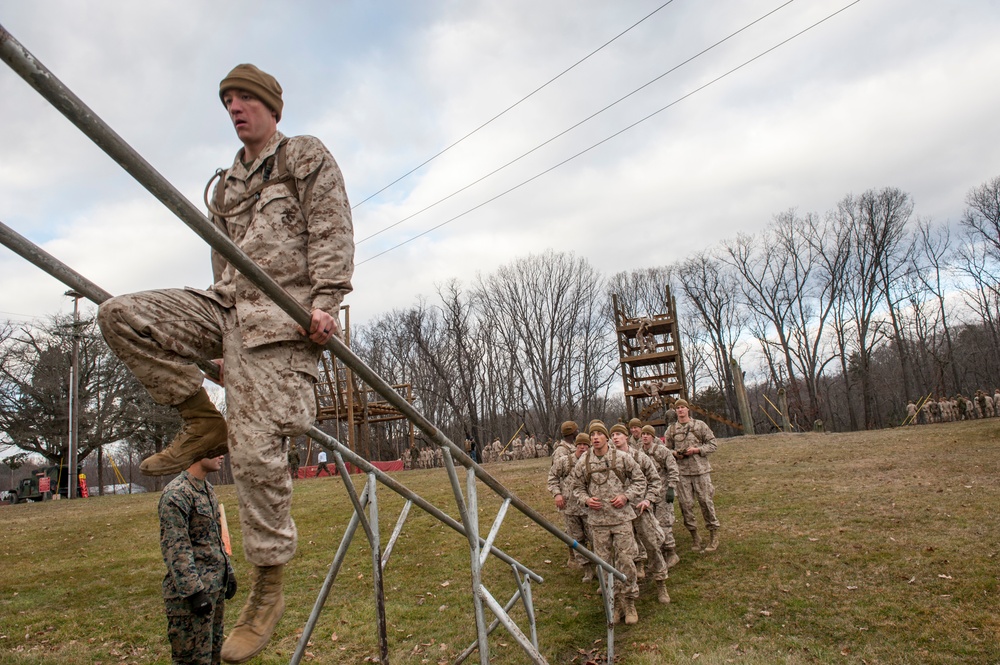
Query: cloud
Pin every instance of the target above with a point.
(891, 93)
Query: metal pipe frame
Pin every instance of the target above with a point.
(331, 576)
(18, 58)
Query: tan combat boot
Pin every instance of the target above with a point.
(713, 543)
(640, 570)
(631, 616)
(661, 592)
(259, 617)
(695, 541)
(203, 435)
(671, 557)
(588, 573)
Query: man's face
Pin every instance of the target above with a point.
(621, 441)
(581, 448)
(599, 441)
(636, 432)
(213, 464)
(682, 413)
(253, 120)
(647, 440)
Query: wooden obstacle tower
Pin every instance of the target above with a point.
(649, 352)
(343, 398)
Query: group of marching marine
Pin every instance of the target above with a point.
(616, 489)
(946, 410)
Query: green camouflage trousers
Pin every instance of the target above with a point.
(269, 396)
(616, 545)
(701, 488)
(195, 640)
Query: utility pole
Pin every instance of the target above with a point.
(74, 399)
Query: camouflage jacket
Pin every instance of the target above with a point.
(655, 491)
(692, 434)
(191, 538)
(563, 461)
(666, 465)
(605, 478)
(301, 235)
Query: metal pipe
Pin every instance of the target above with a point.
(331, 575)
(332, 444)
(493, 626)
(377, 579)
(48, 263)
(513, 628)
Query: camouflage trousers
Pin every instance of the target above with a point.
(649, 537)
(616, 545)
(698, 487)
(194, 640)
(665, 516)
(269, 397)
(576, 528)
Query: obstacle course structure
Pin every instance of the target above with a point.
(652, 364)
(480, 549)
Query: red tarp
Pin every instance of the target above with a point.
(310, 471)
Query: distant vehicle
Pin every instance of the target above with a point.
(42, 485)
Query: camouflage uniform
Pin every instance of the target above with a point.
(647, 529)
(574, 514)
(695, 471)
(191, 541)
(610, 527)
(669, 473)
(305, 243)
(293, 460)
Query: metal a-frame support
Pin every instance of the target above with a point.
(53, 90)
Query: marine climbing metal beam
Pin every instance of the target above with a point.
(19, 59)
(54, 267)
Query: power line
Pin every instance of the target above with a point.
(572, 127)
(511, 107)
(619, 132)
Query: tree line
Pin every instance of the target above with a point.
(853, 311)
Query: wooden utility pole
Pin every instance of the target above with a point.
(741, 397)
(786, 424)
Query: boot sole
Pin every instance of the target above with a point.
(181, 464)
(265, 641)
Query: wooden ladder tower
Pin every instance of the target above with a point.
(652, 365)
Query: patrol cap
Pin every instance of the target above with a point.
(618, 427)
(648, 429)
(681, 402)
(263, 85)
(569, 428)
(635, 422)
(598, 426)
(582, 439)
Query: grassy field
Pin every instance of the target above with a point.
(875, 547)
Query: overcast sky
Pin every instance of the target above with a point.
(896, 93)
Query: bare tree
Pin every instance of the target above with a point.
(711, 288)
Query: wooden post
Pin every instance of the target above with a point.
(786, 424)
(741, 398)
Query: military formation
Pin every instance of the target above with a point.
(616, 487)
(953, 409)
